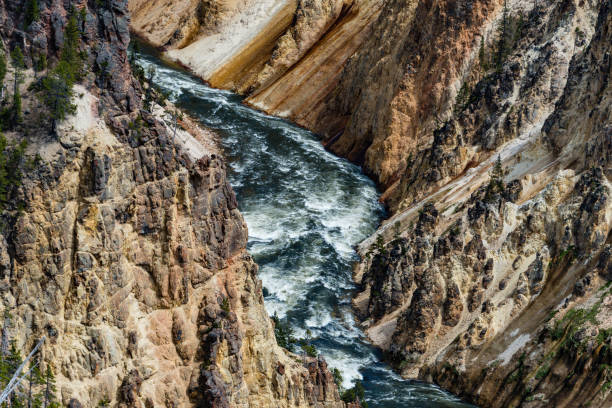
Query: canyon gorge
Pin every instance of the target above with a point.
(131, 232)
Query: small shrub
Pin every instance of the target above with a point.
(356, 393)
(542, 372)
(337, 377)
(225, 305)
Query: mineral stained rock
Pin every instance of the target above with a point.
(124, 245)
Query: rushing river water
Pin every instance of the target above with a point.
(306, 209)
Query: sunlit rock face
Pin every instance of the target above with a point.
(499, 291)
(125, 248)
(285, 55)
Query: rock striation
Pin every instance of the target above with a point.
(285, 55)
(125, 248)
(496, 286)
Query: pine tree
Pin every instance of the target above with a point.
(41, 63)
(502, 38)
(36, 379)
(148, 102)
(57, 93)
(19, 64)
(3, 67)
(17, 57)
(4, 341)
(518, 30)
(49, 395)
(463, 98)
(496, 181)
(32, 12)
(70, 53)
(482, 56)
(3, 197)
(14, 360)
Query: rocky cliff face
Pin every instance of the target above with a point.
(285, 55)
(125, 248)
(487, 126)
(496, 286)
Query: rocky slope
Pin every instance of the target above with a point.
(496, 287)
(490, 278)
(124, 246)
(286, 55)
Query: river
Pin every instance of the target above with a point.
(306, 209)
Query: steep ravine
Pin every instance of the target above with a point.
(306, 209)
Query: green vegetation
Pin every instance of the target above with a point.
(337, 377)
(104, 403)
(225, 305)
(70, 50)
(509, 33)
(496, 181)
(57, 92)
(542, 372)
(603, 336)
(380, 245)
(32, 13)
(17, 58)
(36, 390)
(606, 369)
(463, 99)
(356, 393)
(502, 38)
(519, 372)
(19, 64)
(3, 67)
(284, 333)
(11, 157)
(41, 63)
(152, 91)
(482, 56)
(566, 328)
(285, 337)
(307, 346)
(56, 89)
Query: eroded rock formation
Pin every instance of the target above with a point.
(125, 248)
(497, 288)
(286, 55)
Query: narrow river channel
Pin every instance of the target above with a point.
(306, 209)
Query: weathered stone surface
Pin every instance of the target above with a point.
(130, 244)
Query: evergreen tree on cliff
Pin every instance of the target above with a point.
(19, 64)
(502, 40)
(3, 69)
(32, 12)
(49, 396)
(57, 93)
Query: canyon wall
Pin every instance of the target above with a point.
(487, 126)
(492, 276)
(124, 247)
(285, 55)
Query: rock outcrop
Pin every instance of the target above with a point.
(491, 279)
(124, 245)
